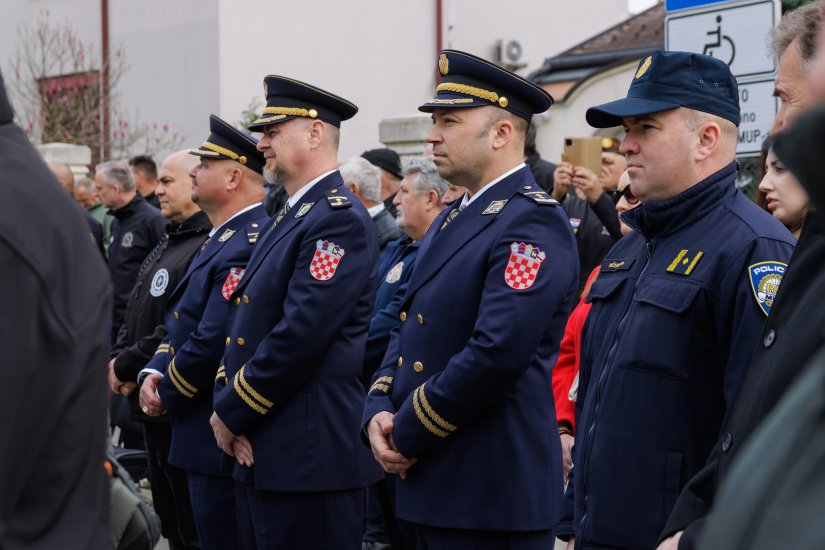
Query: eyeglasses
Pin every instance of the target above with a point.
(616, 195)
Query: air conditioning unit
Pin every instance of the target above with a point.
(510, 53)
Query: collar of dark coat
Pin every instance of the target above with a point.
(195, 224)
(663, 217)
(129, 208)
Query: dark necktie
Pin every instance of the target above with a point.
(452, 215)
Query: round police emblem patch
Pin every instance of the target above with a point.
(159, 282)
(765, 280)
(127, 240)
(394, 274)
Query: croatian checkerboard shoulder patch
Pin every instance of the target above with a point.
(232, 281)
(523, 265)
(326, 259)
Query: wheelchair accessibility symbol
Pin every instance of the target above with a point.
(722, 46)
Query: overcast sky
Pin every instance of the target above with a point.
(636, 6)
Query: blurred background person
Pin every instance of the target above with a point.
(65, 177)
(145, 173)
(364, 180)
(390, 164)
(782, 194)
(542, 170)
(86, 196)
(583, 195)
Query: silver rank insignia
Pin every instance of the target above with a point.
(226, 235)
(304, 209)
(494, 207)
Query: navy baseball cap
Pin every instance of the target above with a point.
(228, 143)
(469, 81)
(667, 80)
(287, 98)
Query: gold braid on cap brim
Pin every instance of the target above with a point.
(224, 151)
(480, 93)
(291, 111)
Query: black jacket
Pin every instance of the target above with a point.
(143, 329)
(136, 230)
(596, 226)
(387, 228)
(793, 332)
(54, 319)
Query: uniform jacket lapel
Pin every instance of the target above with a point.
(288, 223)
(442, 244)
(237, 225)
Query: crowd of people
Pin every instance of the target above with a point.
(473, 348)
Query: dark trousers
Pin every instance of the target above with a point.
(170, 490)
(442, 538)
(331, 520)
(213, 505)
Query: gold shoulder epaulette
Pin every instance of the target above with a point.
(253, 230)
(337, 200)
(535, 194)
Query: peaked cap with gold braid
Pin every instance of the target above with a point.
(469, 81)
(228, 143)
(287, 98)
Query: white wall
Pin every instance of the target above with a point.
(172, 52)
(189, 59)
(380, 54)
(544, 28)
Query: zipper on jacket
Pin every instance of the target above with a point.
(599, 388)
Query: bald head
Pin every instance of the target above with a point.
(64, 175)
(174, 188)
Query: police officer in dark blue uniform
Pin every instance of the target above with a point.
(677, 309)
(462, 405)
(228, 186)
(289, 398)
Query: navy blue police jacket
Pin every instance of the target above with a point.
(196, 325)
(395, 268)
(677, 311)
(467, 373)
(291, 375)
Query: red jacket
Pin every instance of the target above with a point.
(567, 365)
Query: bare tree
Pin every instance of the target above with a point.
(58, 89)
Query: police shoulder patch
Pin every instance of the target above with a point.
(232, 281)
(127, 240)
(523, 265)
(325, 260)
(765, 278)
(159, 282)
(394, 274)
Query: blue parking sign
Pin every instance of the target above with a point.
(673, 5)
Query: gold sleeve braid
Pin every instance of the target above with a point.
(252, 398)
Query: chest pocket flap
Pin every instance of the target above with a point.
(673, 296)
(604, 286)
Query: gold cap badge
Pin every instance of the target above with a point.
(645, 66)
(443, 64)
